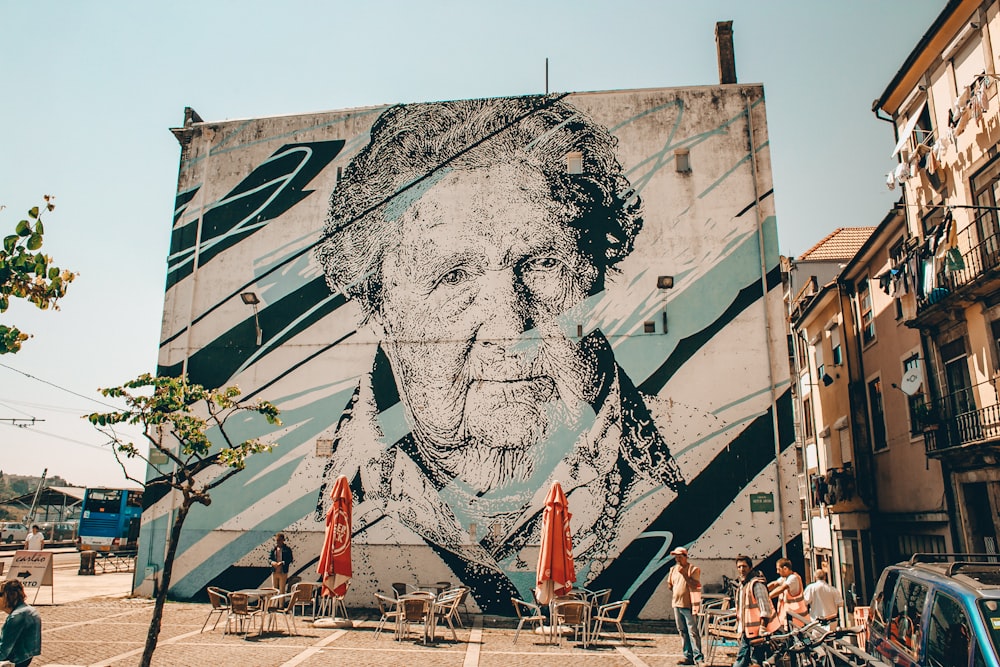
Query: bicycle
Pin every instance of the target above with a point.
(816, 646)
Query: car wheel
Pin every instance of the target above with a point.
(10, 538)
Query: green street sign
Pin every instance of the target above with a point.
(761, 502)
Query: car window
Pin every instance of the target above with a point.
(990, 610)
(882, 600)
(949, 634)
(905, 618)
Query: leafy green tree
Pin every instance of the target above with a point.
(176, 418)
(28, 274)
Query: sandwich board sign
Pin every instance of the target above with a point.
(34, 570)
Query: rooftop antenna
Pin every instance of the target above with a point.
(546, 76)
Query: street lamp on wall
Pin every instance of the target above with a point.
(250, 299)
(664, 282)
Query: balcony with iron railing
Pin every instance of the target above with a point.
(957, 423)
(958, 283)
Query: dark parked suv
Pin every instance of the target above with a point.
(939, 610)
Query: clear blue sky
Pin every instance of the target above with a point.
(90, 90)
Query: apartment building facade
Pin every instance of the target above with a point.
(835, 517)
(944, 272)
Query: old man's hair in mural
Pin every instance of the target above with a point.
(413, 144)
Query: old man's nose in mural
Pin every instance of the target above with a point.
(460, 304)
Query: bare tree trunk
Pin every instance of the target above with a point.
(161, 595)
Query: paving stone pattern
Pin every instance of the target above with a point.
(111, 632)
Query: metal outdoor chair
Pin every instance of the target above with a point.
(708, 607)
(463, 592)
(445, 608)
(527, 612)
(389, 611)
(463, 605)
(414, 608)
(284, 605)
(574, 614)
(721, 629)
(401, 589)
(242, 613)
(331, 605)
(611, 613)
(219, 597)
(599, 598)
(307, 597)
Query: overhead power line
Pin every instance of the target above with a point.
(103, 448)
(53, 384)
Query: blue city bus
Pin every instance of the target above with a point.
(109, 520)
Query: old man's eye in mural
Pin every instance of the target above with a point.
(472, 233)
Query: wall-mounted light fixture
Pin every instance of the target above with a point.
(250, 299)
(664, 282)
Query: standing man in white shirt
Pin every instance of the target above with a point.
(824, 600)
(684, 581)
(35, 540)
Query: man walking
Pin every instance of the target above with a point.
(281, 558)
(754, 612)
(824, 600)
(35, 540)
(684, 581)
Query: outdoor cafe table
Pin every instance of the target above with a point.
(262, 596)
(437, 588)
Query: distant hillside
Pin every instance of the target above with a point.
(12, 486)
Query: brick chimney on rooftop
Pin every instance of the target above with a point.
(727, 56)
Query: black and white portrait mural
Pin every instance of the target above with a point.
(461, 302)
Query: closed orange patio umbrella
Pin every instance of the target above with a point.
(555, 573)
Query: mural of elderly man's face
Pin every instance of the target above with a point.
(484, 264)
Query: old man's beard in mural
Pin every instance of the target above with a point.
(469, 245)
(506, 403)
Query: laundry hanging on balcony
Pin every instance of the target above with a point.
(920, 269)
(929, 154)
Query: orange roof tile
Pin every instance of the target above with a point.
(841, 244)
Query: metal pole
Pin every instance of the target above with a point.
(34, 501)
(767, 330)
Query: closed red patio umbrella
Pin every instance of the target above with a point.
(335, 559)
(555, 573)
